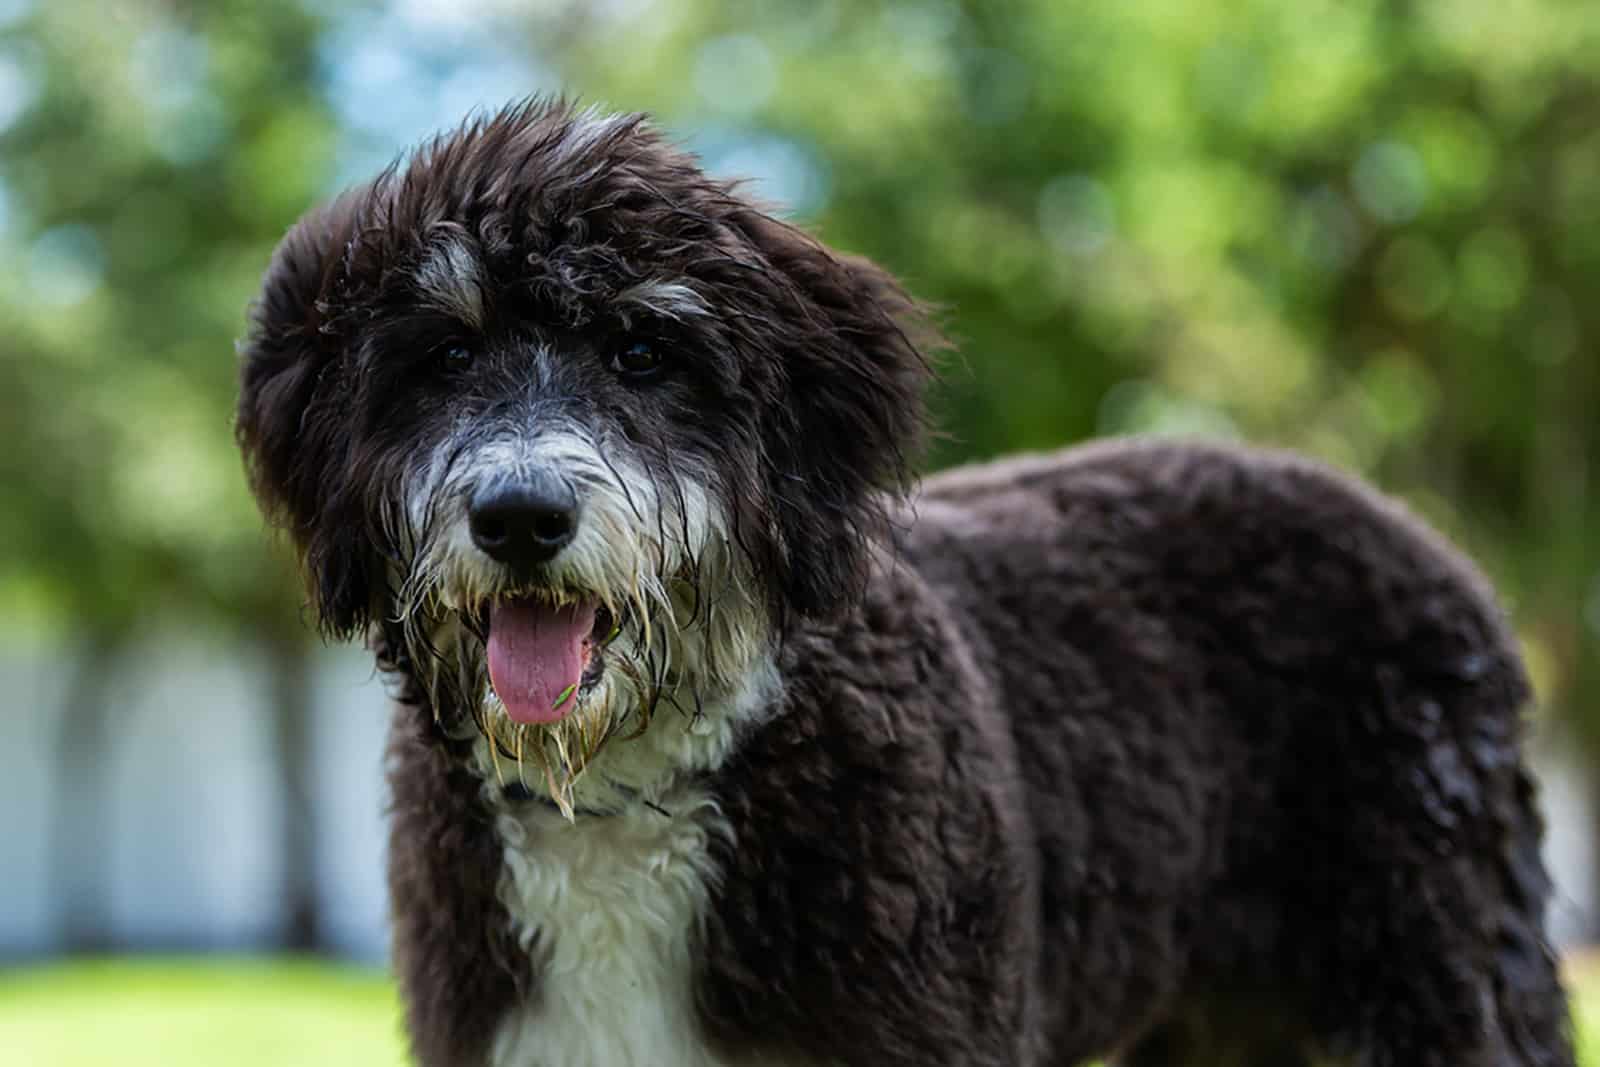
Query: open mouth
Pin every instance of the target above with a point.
(544, 652)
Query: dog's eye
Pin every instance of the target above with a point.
(454, 355)
(640, 359)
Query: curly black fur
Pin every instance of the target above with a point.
(806, 385)
(1205, 755)
(1176, 753)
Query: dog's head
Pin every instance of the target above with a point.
(574, 426)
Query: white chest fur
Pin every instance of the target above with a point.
(608, 906)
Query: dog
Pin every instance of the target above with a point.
(721, 740)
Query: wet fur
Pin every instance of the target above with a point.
(1179, 753)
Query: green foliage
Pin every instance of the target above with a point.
(1369, 230)
(163, 152)
(1366, 230)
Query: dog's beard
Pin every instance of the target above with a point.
(617, 701)
(677, 622)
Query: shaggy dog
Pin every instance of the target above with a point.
(718, 745)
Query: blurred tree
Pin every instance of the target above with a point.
(1364, 228)
(151, 155)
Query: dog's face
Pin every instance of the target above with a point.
(572, 426)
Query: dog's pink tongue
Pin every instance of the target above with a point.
(536, 656)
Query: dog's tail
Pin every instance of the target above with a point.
(1531, 1005)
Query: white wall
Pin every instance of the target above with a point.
(189, 800)
(190, 803)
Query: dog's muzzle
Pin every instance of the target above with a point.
(544, 642)
(524, 521)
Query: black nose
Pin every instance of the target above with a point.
(524, 520)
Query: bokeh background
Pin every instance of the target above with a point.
(1368, 229)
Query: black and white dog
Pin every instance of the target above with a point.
(717, 744)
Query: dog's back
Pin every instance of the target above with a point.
(1270, 731)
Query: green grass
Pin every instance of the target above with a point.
(174, 1013)
(272, 1013)
(1583, 982)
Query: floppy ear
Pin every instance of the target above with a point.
(849, 344)
(292, 419)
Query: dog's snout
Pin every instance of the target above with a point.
(526, 520)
